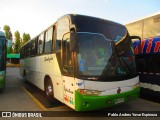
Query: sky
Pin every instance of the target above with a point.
(34, 16)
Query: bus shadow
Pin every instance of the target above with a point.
(40, 95)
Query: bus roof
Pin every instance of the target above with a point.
(78, 16)
(2, 33)
(142, 18)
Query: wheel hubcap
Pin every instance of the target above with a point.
(49, 90)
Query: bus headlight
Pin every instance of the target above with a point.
(135, 86)
(89, 92)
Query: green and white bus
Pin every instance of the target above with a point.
(85, 62)
(2, 60)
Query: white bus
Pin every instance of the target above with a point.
(85, 62)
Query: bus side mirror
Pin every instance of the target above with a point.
(72, 41)
(135, 37)
(136, 41)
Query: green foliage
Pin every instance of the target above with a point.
(15, 46)
(8, 33)
(9, 50)
(25, 38)
(17, 42)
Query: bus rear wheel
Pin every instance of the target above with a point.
(49, 90)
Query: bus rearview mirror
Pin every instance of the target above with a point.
(138, 40)
(72, 41)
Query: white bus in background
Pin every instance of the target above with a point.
(85, 62)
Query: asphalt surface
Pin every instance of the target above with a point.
(13, 98)
(22, 96)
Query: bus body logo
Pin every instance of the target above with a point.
(151, 45)
(119, 90)
(48, 59)
(80, 84)
(68, 90)
(69, 99)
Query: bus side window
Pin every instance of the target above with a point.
(33, 46)
(24, 50)
(22, 53)
(62, 28)
(27, 45)
(67, 62)
(29, 49)
(40, 43)
(48, 40)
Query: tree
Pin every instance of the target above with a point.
(17, 42)
(25, 38)
(28, 37)
(8, 32)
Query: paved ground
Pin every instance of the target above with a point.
(16, 97)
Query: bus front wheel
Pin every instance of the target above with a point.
(49, 90)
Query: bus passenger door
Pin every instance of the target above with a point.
(67, 71)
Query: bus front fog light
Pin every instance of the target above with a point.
(85, 103)
(130, 97)
(108, 101)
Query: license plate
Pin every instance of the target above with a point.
(119, 100)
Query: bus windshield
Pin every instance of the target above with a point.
(125, 54)
(98, 56)
(93, 54)
(125, 58)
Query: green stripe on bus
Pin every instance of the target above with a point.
(87, 103)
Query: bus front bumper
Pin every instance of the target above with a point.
(87, 103)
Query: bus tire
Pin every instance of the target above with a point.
(49, 89)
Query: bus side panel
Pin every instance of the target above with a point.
(57, 79)
(47, 65)
(37, 68)
(68, 90)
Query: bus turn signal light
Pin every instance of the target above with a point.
(89, 92)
